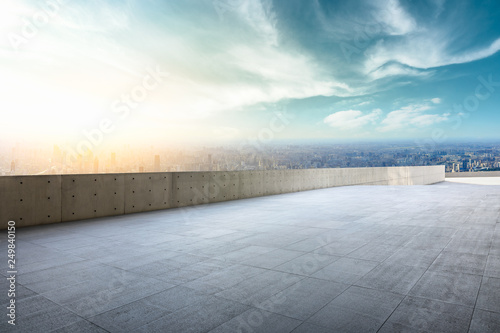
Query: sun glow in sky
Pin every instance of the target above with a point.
(212, 70)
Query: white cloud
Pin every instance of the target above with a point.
(393, 17)
(351, 119)
(411, 116)
(420, 50)
(260, 16)
(285, 75)
(275, 75)
(476, 55)
(428, 45)
(428, 119)
(394, 69)
(384, 16)
(436, 100)
(264, 72)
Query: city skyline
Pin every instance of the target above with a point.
(456, 157)
(95, 75)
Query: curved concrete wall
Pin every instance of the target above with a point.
(34, 200)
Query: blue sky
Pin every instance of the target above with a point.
(234, 69)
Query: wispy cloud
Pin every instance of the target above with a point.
(426, 45)
(260, 16)
(422, 52)
(411, 116)
(351, 119)
(394, 18)
(383, 41)
(407, 117)
(396, 69)
(363, 103)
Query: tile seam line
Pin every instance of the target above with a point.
(389, 316)
(64, 307)
(481, 284)
(475, 303)
(427, 269)
(54, 330)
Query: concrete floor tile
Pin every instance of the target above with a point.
(21, 292)
(198, 317)
(425, 315)
(374, 252)
(468, 246)
(130, 316)
(346, 270)
(81, 326)
(304, 298)
(489, 295)
(106, 300)
(459, 262)
(395, 278)
(357, 310)
(492, 266)
(413, 257)
(45, 320)
(338, 319)
(272, 259)
(306, 245)
(225, 278)
(258, 321)
(311, 328)
(485, 322)
(307, 264)
(259, 288)
(370, 302)
(457, 288)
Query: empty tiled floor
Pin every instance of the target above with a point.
(346, 259)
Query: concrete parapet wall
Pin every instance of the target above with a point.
(35, 200)
(473, 174)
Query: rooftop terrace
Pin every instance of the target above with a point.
(342, 259)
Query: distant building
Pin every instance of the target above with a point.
(157, 167)
(57, 158)
(113, 162)
(96, 165)
(13, 168)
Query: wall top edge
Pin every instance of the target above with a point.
(473, 174)
(215, 172)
